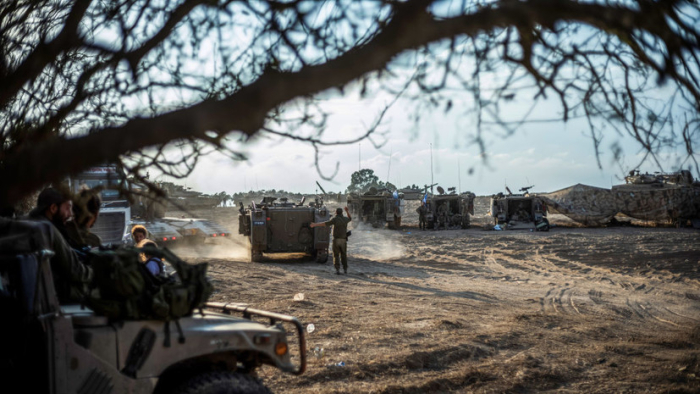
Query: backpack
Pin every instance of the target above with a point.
(126, 290)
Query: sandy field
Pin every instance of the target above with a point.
(591, 310)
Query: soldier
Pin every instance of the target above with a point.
(86, 208)
(422, 212)
(71, 276)
(523, 215)
(340, 238)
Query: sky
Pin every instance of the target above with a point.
(437, 149)
(548, 155)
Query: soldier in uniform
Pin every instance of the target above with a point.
(422, 212)
(86, 208)
(523, 215)
(340, 238)
(71, 276)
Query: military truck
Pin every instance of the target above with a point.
(377, 207)
(58, 348)
(283, 227)
(118, 215)
(449, 209)
(519, 211)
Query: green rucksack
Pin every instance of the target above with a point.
(126, 290)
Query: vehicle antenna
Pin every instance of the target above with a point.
(459, 174)
(388, 173)
(431, 168)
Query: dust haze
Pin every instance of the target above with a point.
(375, 243)
(593, 310)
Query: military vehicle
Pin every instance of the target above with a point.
(672, 198)
(519, 211)
(118, 215)
(449, 209)
(283, 227)
(48, 347)
(665, 198)
(377, 207)
(182, 198)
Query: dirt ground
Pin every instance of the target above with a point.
(593, 310)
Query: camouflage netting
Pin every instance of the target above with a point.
(585, 204)
(659, 202)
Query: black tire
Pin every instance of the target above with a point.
(321, 257)
(222, 382)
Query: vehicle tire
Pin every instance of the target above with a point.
(546, 225)
(255, 256)
(321, 257)
(222, 382)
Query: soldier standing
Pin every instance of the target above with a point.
(340, 238)
(422, 212)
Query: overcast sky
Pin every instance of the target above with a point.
(548, 155)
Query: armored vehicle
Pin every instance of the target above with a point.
(450, 209)
(49, 347)
(659, 197)
(672, 198)
(377, 207)
(283, 227)
(519, 211)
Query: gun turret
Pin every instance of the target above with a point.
(426, 187)
(526, 188)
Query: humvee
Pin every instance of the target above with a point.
(449, 209)
(283, 227)
(64, 348)
(377, 207)
(519, 211)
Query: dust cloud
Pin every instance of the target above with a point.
(234, 248)
(375, 243)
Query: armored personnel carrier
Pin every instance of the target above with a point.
(519, 211)
(51, 347)
(283, 227)
(377, 207)
(449, 209)
(659, 197)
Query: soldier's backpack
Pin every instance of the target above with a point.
(126, 290)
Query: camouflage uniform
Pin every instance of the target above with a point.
(340, 241)
(422, 211)
(71, 277)
(79, 238)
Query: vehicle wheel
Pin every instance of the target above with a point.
(321, 256)
(255, 256)
(222, 382)
(544, 227)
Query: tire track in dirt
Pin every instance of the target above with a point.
(559, 300)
